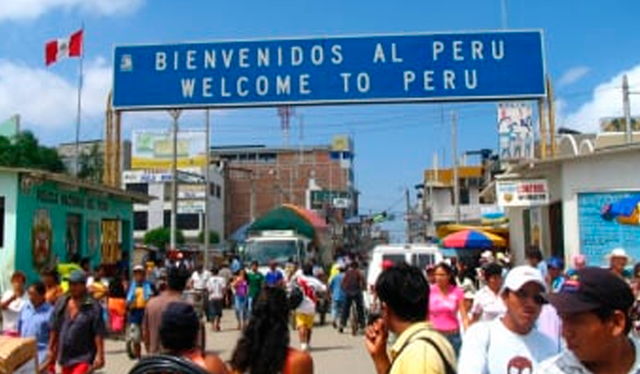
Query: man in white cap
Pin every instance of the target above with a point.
(510, 344)
(618, 260)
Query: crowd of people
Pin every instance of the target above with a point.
(449, 317)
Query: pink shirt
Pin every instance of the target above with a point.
(443, 309)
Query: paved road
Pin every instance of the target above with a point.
(332, 353)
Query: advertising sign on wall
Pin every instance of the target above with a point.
(153, 149)
(607, 220)
(523, 193)
(515, 131)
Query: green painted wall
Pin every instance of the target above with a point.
(8, 190)
(58, 202)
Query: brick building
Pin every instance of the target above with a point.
(259, 178)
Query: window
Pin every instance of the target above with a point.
(189, 221)
(1, 221)
(142, 188)
(396, 259)
(140, 221)
(186, 221)
(465, 196)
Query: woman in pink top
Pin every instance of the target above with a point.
(446, 302)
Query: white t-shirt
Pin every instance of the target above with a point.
(11, 314)
(308, 306)
(566, 362)
(199, 279)
(491, 348)
(215, 287)
(488, 304)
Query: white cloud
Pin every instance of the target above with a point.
(33, 9)
(606, 101)
(47, 101)
(573, 75)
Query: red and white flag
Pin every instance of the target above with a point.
(59, 49)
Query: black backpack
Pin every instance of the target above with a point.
(295, 297)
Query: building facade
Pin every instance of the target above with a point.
(260, 178)
(572, 218)
(45, 218)
(192, 197)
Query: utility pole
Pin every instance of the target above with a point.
(207, 120)
(409, 215)
(175, 114)
(543, 129)
(252, 201)
(626, 105)
(454, 157)
(552, 116)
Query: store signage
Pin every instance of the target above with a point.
(522, 193)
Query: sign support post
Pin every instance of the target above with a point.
(205, 222)
(175, 114)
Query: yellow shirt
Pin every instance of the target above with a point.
(419, 356)
(138, 300)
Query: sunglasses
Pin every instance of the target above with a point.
(537, 297)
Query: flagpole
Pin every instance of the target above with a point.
(79, 108)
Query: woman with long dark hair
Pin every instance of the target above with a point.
(264, 345)
(446, 302)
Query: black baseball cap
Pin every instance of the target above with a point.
(592, 288)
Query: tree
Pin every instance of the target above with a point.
(24, 150)
(91, 164)
(160, 237)
(214, 237)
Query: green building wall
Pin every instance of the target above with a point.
(58, 202)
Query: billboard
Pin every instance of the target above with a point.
(515, 131)
(153, 149)
(523, 193)
(618, 124)
(491, 65)
(607, 220)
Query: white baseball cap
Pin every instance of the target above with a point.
(619, 252)
(521, 275)
(138, 268)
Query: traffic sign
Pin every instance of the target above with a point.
(494, 65)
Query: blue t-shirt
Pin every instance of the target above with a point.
(273, 278)
(337, 294)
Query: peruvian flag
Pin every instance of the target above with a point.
(59, 49)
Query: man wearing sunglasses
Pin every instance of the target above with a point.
(594, 307)
(510, 344)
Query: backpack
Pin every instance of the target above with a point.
(295, 297)
(448, 368)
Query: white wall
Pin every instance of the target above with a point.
(606, 173)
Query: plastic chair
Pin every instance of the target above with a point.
(165, 364)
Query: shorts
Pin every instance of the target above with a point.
(136, 316)
(81, 368)
(305, 320)
(215, 308)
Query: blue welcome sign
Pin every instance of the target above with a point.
(339, 70)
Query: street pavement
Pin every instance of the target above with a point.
(332, 352)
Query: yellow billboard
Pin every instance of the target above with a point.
(153, 149)
(341, 143)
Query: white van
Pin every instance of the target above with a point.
(417, 254)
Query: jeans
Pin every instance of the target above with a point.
(336, 309)
(242, 308)
(456, 342)
(349, 299)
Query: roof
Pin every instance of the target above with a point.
(612, 150)
(134, 197)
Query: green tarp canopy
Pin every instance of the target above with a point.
(284, 218)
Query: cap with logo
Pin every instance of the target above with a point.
(592, 288)
(521, 275)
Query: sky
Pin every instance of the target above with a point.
(588, 47)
